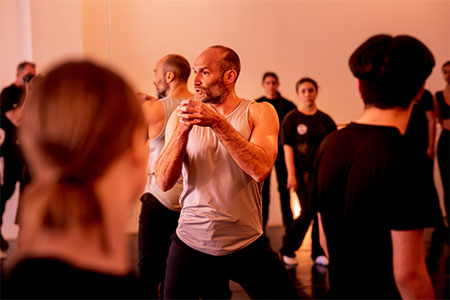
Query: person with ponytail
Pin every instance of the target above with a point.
(83, 135)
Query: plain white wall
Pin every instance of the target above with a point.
(15, 38)
(294, 38)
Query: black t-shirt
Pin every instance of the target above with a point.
(9, 99)
(304, 133)
(282, 106)
(47, 278)
(417, 131)
(365, 187)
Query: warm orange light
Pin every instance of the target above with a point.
(295, 204)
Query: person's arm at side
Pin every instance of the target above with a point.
(431, 118)
(322, 237)
(408, 259)
(153, 111)
(290, 167)
(437, 113)
(169, 164)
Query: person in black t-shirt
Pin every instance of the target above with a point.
(370, 203)
(302, 130)
(442, 102)
(420, 138)
(282, 105)
(10, 98)
(88, 163)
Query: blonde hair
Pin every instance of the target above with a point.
(78, 119)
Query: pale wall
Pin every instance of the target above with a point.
(15, 38)
(292, 38)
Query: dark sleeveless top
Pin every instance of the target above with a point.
(444, 108)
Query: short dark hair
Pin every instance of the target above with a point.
(391, 69)
(447, 63)
(306, 79)
(22, 65)
(231, 60)
(178, 65)
(270, 74)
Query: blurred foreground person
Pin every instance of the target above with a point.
(371, 202)
(83, 136)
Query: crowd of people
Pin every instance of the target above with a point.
(84, 146)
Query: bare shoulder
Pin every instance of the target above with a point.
(153, 110)
(262, 113)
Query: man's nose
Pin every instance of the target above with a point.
(197, 79)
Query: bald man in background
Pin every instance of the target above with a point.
(160, 210)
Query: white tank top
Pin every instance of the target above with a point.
(221, 205)
(169, 199)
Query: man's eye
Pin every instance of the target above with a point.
(205, 73)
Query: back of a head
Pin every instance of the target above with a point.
(22, 65)
(179, 66)
(391, 70)
(77, 120)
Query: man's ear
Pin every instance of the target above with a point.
(229, 77)
(169, 77)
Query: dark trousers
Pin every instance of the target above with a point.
(280, 167)
(192, 274)
(12, 172)
(156, 224)
(297, 231)
(443, 151)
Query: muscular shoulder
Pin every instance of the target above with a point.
(262, 113)
(153, 110)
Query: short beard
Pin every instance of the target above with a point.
(216, 94)
(163, 93)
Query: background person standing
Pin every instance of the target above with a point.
(270, 84)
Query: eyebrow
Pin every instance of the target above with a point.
(200, 69)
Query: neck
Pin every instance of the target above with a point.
(18, 83)
(307, 110)
(81, 246)
(180, 91)
(229, 104)
(271, 96)
(81, 249)
(393, 117)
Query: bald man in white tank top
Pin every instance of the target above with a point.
(160, 210)
(225, 147)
